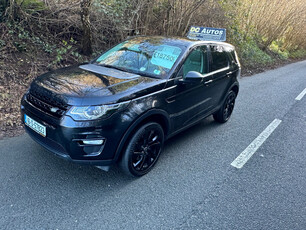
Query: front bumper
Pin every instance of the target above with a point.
(65, 136)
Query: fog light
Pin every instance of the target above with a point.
(93, 142)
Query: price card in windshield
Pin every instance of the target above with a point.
(165, 56)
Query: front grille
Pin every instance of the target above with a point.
(51, 109)
(48, 97)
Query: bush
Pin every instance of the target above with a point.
(297, 54)
(276, 48)
(250, 54)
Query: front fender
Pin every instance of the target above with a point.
(153, 113)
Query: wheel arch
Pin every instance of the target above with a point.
(232, 87)
(155, 115)
(235, 88)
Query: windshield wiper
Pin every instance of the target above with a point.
(114, 67)
(130, 71)
(146, 74)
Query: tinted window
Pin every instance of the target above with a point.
(233, 56)
(219, 58)
(196, 61)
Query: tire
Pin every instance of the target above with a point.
(143, 150)
(225, 112)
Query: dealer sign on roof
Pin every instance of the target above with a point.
(207, 34)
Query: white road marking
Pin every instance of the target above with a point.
(252, 148)
(301, 95)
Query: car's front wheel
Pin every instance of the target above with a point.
(143, 150)
(225, 112)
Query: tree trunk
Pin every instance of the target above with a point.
(86, 48)
(3, 6)
(8, 9)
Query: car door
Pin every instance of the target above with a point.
(219, 67)
(190, 100)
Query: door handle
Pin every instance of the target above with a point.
(229, 74)
(207, 82)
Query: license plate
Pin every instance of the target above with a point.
(36, 126)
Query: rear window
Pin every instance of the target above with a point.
(233, 56)
(219, 58)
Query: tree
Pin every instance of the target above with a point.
(3, 5)
(11, 7)
(86, 47)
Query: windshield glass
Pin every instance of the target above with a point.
(149, 58)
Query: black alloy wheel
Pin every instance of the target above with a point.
(143, 150)
(227, 108)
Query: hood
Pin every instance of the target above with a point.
(93, 85)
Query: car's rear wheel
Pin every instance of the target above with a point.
(143, 150)
(225, 112)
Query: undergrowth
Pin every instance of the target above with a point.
(38, 36)
(251, 55)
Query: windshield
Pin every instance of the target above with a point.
(149, 58)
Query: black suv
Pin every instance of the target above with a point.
(122, 106)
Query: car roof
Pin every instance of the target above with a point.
(180, 41)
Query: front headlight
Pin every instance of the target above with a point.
(79, 113)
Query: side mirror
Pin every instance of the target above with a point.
(193, 76)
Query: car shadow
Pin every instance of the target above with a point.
(206, 125)
(59, 171)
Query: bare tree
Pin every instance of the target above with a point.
(86, 48)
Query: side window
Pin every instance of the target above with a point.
(196, 61)
(219, 58)
(234, 56)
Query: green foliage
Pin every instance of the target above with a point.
(60, 52)
(13, 9)
(23, 36)
(25, 39)
(47, 47)
(276, 48)
(255, 46)
(297, 54)
(116, 9)
(2, 43)
(119, 14)
(31, 6)
(49, 32)
(28, 41)
(66, 47)
(20, 46)
(250, 54)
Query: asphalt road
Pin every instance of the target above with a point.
(193, 186)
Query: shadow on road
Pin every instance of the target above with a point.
(52, 173)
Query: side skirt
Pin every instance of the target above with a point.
(194, 122)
